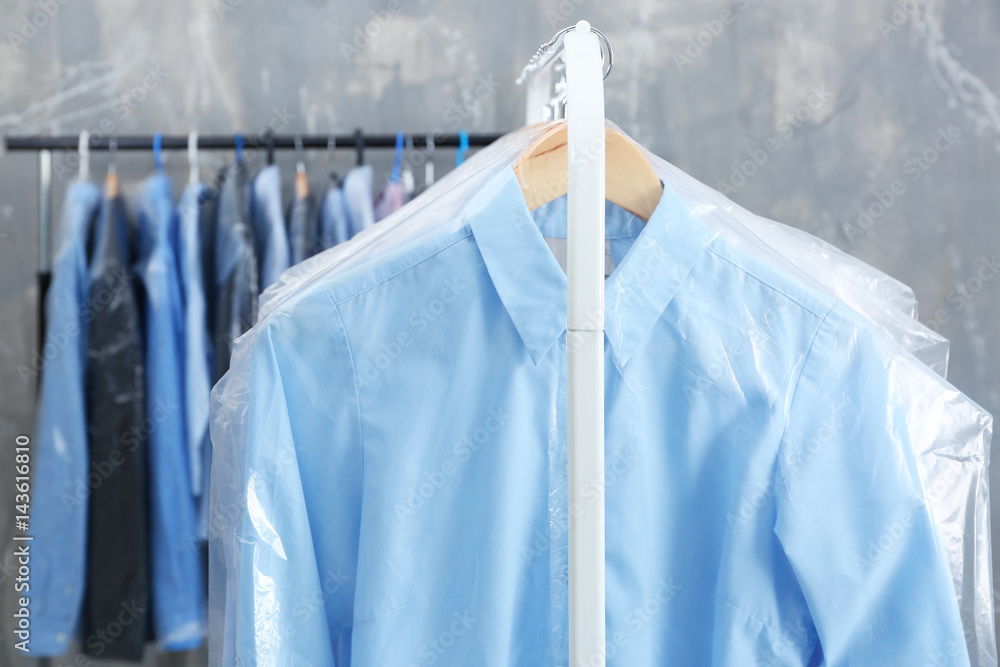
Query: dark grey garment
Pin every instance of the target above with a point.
(208, 217)
(236, 276)
(303, 229)
(118, 557)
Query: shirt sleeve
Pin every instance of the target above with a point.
(851, 514)
(298, 549)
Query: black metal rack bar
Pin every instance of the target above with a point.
(256, 141)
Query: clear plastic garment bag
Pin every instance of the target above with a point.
(945, 432)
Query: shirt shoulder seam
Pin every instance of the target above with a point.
(354, 374)
(798, 378)
(403, 269)
(768, 283)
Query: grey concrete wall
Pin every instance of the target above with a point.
(695, 84)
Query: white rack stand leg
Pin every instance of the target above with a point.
(585, 344)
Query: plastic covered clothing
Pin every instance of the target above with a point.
(722, 376)
(884, 301)
(178, 603)
(197, 356)
(391, 199)
(881, 286)
(951, 435)
(60, 493)
(938, 419)
(359, 198)
(208, 231)
(270, 236)
(346, 208)
(772, 240)
(334, 224)
(118, 577)
(236, 272)
(303, 228)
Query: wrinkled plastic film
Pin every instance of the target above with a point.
(880, 299)
(949, 434)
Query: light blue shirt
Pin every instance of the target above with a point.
(197, 356)
(59, 491)
(268, 222)
(405, 495)
(333, 218)
(178, 594)
(359, 199)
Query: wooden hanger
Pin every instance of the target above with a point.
(301, 182)
(301, 185)
(630, 182)
(111, 185)
(111, 180)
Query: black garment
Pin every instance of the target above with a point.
(118, 578)
(236, 277)
(208, 215)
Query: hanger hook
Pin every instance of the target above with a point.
(193, 155)
(238, 141)
(112, 149)
(554, 47)
(429, 161)
(463, 147)
(359, 146)
(300, 164)
(397, 160)
(83, 148)
(158, 150)
(605, 42)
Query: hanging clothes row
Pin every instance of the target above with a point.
(146, 301)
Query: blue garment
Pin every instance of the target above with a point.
(333, 216)
(270, 237)
(406, 485)
(178, 594)
(359, 199)
(59, 489)
(197, 355)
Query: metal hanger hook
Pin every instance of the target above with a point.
(83, 148)
(112, 149)
(554, 47)
(192, 151)
(300, 164)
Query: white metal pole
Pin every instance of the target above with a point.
(585, 344)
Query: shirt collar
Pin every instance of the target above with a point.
(532, 286)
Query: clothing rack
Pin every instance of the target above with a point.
(357, 141)
(261, 140)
